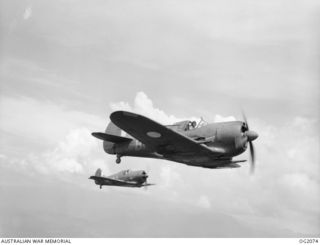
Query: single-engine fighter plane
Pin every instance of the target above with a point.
(126, 178)
(208, 145)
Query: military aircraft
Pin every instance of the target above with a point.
(125, 178)
(208, 145)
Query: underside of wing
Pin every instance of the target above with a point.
(111, 138)
(162, 139)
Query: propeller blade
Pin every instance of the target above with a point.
(245, 118)
(252, 157)
(250, 137)
(145, 187)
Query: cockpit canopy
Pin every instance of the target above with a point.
(187, 125)
(125, 172)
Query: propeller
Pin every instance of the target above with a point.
(145, 187)
(145, 173)
(145, 176)
(251, 136)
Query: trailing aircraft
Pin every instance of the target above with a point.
(125, 178)
(208, 145)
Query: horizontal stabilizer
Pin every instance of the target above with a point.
(147, 184)
(111, 138)
(94, 177)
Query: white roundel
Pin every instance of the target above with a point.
(153, 134)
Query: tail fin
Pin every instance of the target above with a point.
(112, 134)
(113, 129)
(111, 137)
(98, 173)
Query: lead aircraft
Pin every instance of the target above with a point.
(208, 145)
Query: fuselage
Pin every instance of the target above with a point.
(128, 178)
(138, 176)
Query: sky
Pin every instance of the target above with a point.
(66, 65)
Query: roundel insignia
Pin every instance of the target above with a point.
(153, 134)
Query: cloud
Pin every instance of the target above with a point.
(73, 154)
(44, 122)
(219, 118)
(170, 177)
(27, 13)
(204, 202)
(48, 138)
(77, 153)
(144, 105)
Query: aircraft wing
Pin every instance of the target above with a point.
(115, 182)
(162, 139)
(147, 184)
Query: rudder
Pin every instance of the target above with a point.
(111, 138)
(98, 173)
(113, 129)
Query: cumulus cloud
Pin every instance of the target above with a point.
(54, 139)
(27, 13)
(77, 153)
(43, 122)
(74, 153)
(144, 105)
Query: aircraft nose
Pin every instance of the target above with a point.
(251, 135)
(144, 174)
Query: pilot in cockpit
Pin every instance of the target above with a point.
(192, 125)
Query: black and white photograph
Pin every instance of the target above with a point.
(159, 119)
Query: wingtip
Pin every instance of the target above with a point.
(97, 135)
(149, 184)
(115, 114)
(125, 113)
